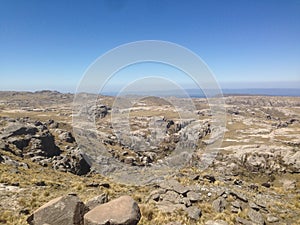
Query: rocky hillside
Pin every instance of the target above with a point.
(254, 178)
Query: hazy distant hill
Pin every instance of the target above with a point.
(197, 93)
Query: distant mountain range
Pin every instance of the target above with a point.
(197, 93)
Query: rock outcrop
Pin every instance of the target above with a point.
(43, 144)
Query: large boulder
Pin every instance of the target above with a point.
(65, 210)
(121, 211)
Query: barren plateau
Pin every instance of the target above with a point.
(253, 179)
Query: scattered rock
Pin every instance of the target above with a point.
(174, 185)
(94, 185)
(244, 222)
(172, 196)
(261, 202)
(253, 206)
(272, 219)
(219, 204)
(193, 196)
(256, 217)
(40, 183)
(235, 206)
(98, 200)
(67, 137)
(238, 182)
(106, 185)
(210, 178)
(4, 146)
(129, 160)
(234, 210)
(195, 177)
(155, 194)
(24, 211)
(240, 196)
(193, 212)
(168, 207)
(8, 161)
(288, 184)
(253, 187)
(267, 185)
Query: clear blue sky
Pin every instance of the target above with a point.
(246, 43)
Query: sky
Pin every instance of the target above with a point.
(245, 43)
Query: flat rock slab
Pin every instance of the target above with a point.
(168, 207)
(120, 211)
(193, 196)
(174, 185)
(65, 210)
(239, 196)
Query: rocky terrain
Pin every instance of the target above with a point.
(254, 178)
